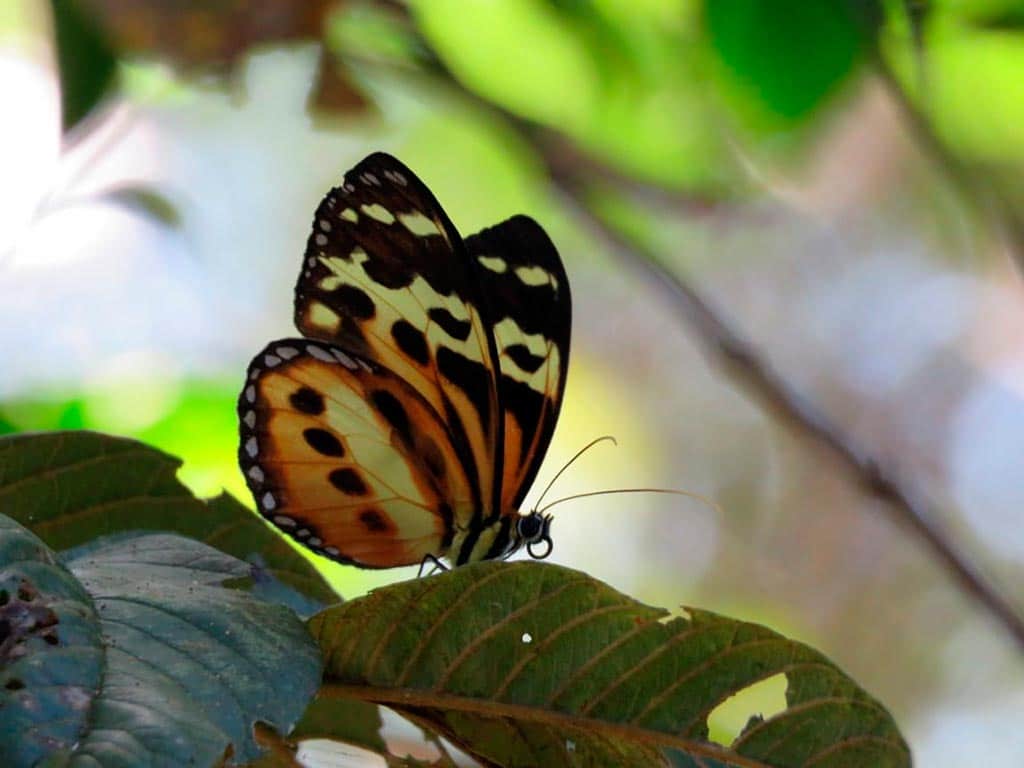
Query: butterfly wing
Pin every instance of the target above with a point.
(347, 458)
(387, 276)
(528, 306)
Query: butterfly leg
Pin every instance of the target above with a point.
(435, 565)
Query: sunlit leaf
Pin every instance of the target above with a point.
(69, 487)
(529, 664)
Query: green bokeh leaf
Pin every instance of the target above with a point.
(530, 664)
(790, 54)
(70, 487)
(51, 656)
(86, 61)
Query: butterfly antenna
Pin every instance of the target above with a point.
(674, 492)
(568, 464)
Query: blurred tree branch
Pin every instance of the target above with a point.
(574, 172)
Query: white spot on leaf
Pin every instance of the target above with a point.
(527, 638)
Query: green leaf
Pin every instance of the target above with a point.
(51, 656)
(532, 664)
(86, 61)
(70, 487)
(789, 54)
(191, 666)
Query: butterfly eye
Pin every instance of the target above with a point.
(529, 527)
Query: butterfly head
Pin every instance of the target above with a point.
(533, 530)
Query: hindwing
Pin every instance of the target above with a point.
(347, 458)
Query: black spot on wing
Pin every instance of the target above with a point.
(411, 341)
(348, 481)
(353, 302)
(457, 329)
(394, 413)
(374, 520)
(323, 442)
(307, 400)
(524, 358)
(471, 377)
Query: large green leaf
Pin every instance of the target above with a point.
(531, 664)
(51, 657)
(70, 487)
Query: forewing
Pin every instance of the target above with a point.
(526, 295)
(347, 458)
(387, 276)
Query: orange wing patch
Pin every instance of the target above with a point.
(347, 458)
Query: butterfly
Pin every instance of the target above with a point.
(410, 420)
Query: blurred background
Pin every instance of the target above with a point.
(840, 183)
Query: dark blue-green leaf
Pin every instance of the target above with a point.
(51, 655)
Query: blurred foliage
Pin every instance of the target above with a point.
(86, 60)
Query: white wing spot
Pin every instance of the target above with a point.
(284, 521)
(333, 551)
(493, 263)
(256, 473)
(311, 262)
(325, 225)
(314, 542)
(271, 360)
(254, 374)
(535, 276)
(287, 352)
(321, 354)
(344, 359)
(418, 224)
(302, 533)
(250, 419)
(250, 393)
(378, 212)
(269, 502)
(320, 239)
(252, 447)
(369, 178)
(350, 215)
(348, 187)
(331, 201)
